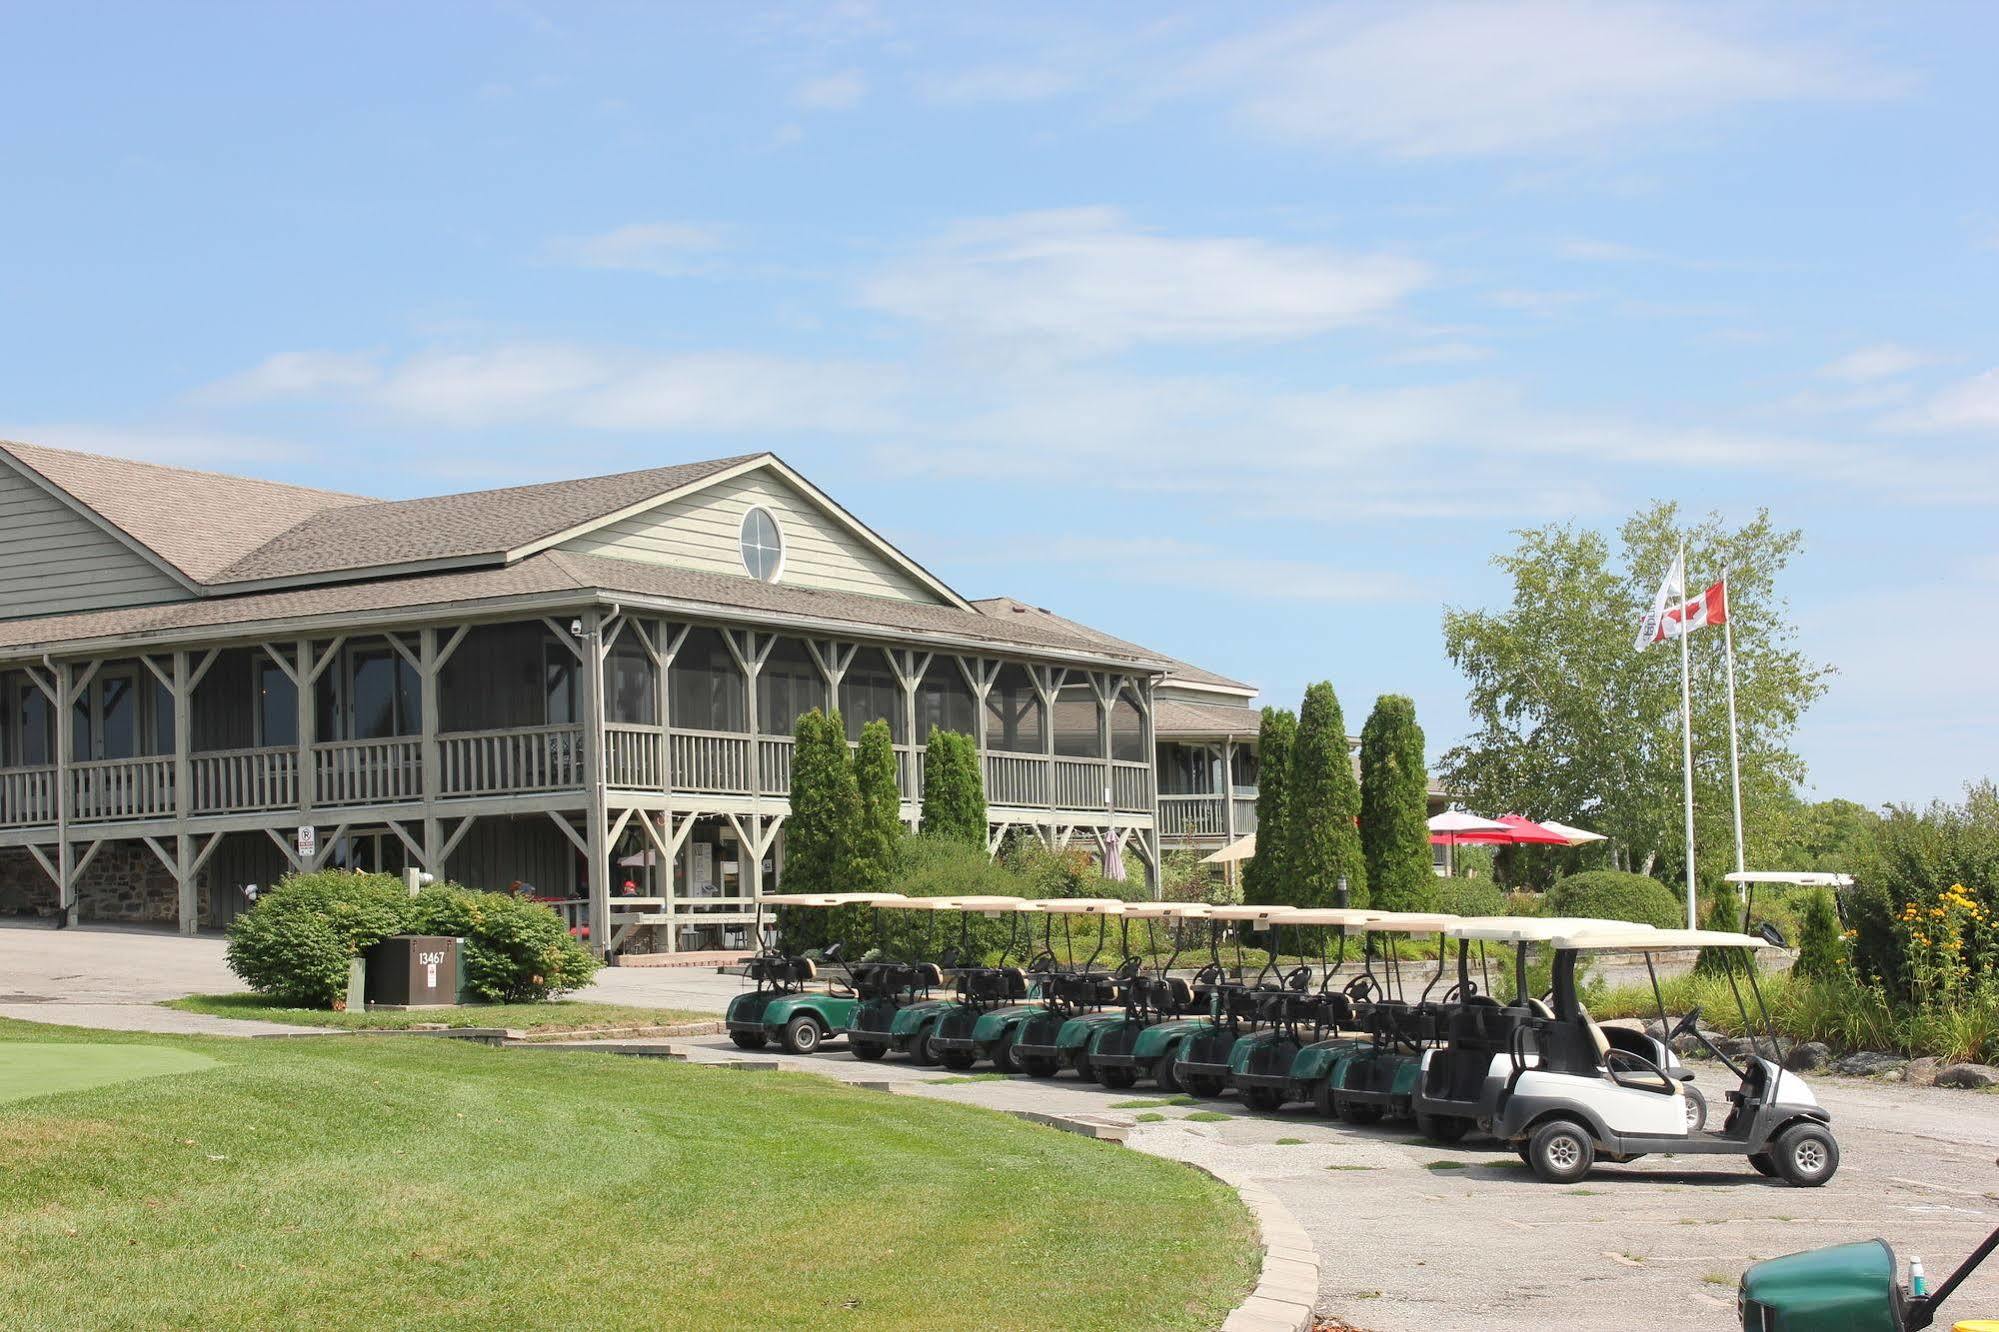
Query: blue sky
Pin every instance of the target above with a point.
(1247, 332)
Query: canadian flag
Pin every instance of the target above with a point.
(1669, 621)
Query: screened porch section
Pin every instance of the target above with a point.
(1207, 792)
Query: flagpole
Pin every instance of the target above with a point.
(1687, 738)
(1734, 746)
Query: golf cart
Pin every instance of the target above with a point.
(915, 1022)
(1264, 1065)
(1201, 1055)
(1573, 1093)
(785, 1006)
(1363, 1081)
(1848, 1286)
(983, 991)
(896, 987)
(1157, 1007)
(1066, 993)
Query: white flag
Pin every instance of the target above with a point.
(1673, 591)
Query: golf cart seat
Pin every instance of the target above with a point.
(1175, 993)
(929, 975)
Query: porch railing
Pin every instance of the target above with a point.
(633, 758)
(128, 788)
(1131, 786)
(1245, 815)
(538, 758)
(367, 772)
(710, 762)
(774, 764)
(232, 781)
(1016, 779)
(27, 796)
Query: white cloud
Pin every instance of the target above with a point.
(832, 92)
(623, 390)
(1088, 280)
(997, 83)
(1606, 252)
(1439, 353)
(171, 445)
(1461, 79)
(1970, 404)
(1883, 360)
(668, 249)
(294, 374)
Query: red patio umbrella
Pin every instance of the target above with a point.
(1518, 831)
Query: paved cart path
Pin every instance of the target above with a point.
(1414, 1236)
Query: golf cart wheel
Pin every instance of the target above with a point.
(802, 1035)
(1115, 1079)
(748, 1040)
(1561, 1151)
(1262, 1098)
(1085, 1069)
(1038, 1066)
(960, 1060)
(921, 1052)
(1805, 1155)
(866, 1049)
(1003, 1059)
(1162, 1074)
(1207, 1086)
(1761, 1163)
(1322, 1099)
(1696, 1107)
(1442, 1128)
(1355, 1112)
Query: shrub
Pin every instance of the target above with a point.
(954, 790)
(1470, 897)
(1394, 800)
(1615, 895)
(1821, 952)
(515, 951)
(1723, 914)
(294, 945)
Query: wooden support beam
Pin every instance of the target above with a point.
(451, 841)
(207, 849)
(171, 863)
(76, 870)
(325, 845)
(450, 645)
(576, 839)
(287, 846)
(200, 672)
(410, 845)
(564, 637)
(48, 866)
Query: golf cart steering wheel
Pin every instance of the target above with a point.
(1362, 988)
(1686, 1024)
(1298, 978)
(1042, 962)
(1129, 968)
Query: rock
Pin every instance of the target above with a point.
(1742, 1047)
(1971, 1077)
(1809, 1057)
(1921, 1072)
(1869, 1064)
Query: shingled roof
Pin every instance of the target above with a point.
(197, 522)
(1180, 671)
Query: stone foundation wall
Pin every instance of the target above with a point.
(125, 882)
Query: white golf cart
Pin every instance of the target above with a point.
(1572, 1094)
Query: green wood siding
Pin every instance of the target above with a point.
(53, 559)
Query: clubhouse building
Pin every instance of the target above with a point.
(585, 689)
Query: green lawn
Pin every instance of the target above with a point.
(424, 1183)
(559, 1015)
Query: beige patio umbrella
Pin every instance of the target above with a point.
(1576, 836)
(1242, 848)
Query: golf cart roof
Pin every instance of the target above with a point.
(1408, 922)
(1079, 906)
(1656, 941)
(1279, 913)
(1168, 910)
(830, 899)
(1332, 916)
(1537, 929)
(954, 904)
(1796, 878)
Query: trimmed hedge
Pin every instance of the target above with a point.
(295, 944)
(1617, 895)
(1470, 897)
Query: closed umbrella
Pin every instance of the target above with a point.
(1113, 845)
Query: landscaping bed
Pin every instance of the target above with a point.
(305, 1183)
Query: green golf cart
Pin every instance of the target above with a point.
(1201, 1056)
(983, 992)
(913, 1024)
(1849, 1287)
(1069, 992)
(1377, 1077)
(1263, 1065)
(793, 1002)
(1132, 1047)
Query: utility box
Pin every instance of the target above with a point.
(413, 971)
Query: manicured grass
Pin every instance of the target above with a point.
(1207, 1117)
(556, 1015)
(43, 1070)
(956, 1078)
(324, 1183)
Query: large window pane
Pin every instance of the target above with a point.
(277, 705)
(630, 682)
(1014, 720)
(944, 701)
(788, 687)
(869, 692)
(705, 688)
(372, 708)
(1077, 729)
(118, 713)
(1127, 729)
(33, 719)
(161, 704)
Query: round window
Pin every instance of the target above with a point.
(763, 546)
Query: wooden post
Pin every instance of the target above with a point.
(1149, 740)
(65, 745)
(186, 913)
(595, 848)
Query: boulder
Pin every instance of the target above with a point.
(1971, 1077)
(1921, 1072)
(1809, 1057)
(1869, 1064)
